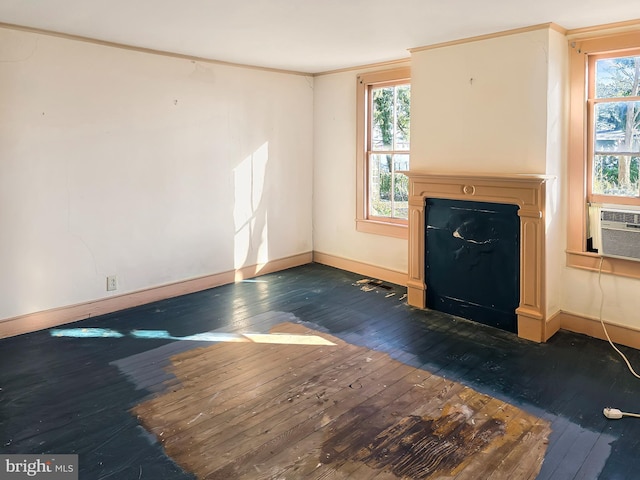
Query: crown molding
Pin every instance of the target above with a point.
(151, 51)
(505, 33)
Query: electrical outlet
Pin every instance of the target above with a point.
(112, 283)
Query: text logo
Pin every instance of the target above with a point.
(39, 467)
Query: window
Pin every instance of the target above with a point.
(614, 126)
(383, 152)
(604, 138)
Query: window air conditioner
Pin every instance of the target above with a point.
(620, 233)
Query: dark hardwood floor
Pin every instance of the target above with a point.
(74, 394)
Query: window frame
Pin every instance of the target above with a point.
(592, 101)
(580, 150)
(393, 227)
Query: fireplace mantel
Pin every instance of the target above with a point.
(525, 190)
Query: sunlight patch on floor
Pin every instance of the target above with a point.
(273, 338)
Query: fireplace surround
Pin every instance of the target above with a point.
(527, 191)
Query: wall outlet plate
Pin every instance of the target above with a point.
(112, 283)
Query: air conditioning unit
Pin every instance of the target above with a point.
(620, 233)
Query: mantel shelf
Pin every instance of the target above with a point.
(497, 177)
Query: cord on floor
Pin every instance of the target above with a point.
(613, 413)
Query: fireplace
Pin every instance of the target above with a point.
(525, 191)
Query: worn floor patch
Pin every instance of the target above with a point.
(262, 410)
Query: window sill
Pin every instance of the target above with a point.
(383, 228)
(614, 266)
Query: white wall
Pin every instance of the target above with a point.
(584, 291)
(481, 106)
(334, 206)
(151, 168)
(556, 163)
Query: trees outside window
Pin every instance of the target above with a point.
(388, 152)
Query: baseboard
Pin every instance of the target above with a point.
(620, 334)
(72, 313)
(552, 325)
(373, 271)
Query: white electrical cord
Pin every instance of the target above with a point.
(613, 413)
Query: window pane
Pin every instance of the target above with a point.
(616, 175)
(617, 77)
(403, 119)
(382, 118)
(400, 196)
(384, 180)
(617, 127)
(380, 185)
(401, 162)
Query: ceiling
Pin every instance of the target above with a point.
(302, 35)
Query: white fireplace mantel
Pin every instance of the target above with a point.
(525, 190)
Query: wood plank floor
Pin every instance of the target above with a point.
(75, 392)
(297, 407)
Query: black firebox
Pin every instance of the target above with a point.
(473, 260)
